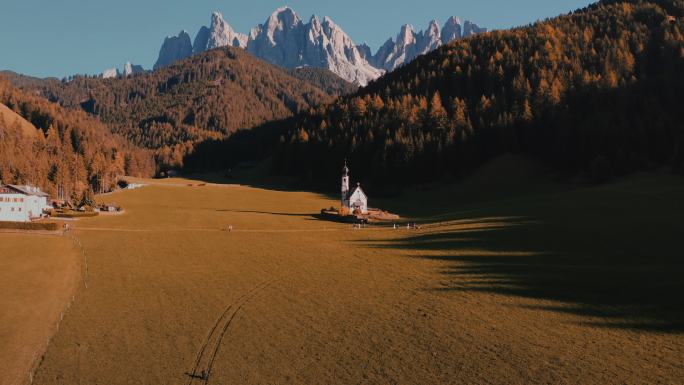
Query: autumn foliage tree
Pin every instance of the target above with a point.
(599, 85)
(67, 152)
(207, 96)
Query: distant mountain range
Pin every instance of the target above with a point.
(286, 41)
(410, 44)
(129, 69)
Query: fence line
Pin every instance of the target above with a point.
(38, 358)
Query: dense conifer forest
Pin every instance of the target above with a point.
(324, 79)
(64, 152)
(595, 92)
(208, 96)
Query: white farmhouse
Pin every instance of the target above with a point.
(355, 200)
(21, 203)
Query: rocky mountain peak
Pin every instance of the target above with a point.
(433, 28)
(406, 36)
(285, 40)
(201, 40)
(431, 38)
(281, 20)
(328, 46)
(452, 30)
(132, 69)
(365, 51)
(221, 34)
(111, 73)
(410, 44)
(174, 48)
(216, 18)
(470, 28)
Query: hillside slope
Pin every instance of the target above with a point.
(10, 118)
(64, 152)
(324, 79)
(591, 92)
(206, 96)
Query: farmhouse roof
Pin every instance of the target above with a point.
(27, 190)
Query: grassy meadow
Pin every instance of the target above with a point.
(505, 282)
(38, 278)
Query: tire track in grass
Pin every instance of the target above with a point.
(204, 362)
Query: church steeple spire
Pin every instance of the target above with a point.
(345, 185)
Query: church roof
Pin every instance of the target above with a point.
(353, 190)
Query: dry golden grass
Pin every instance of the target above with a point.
(38, 277)
(10, 118)
(286, 298)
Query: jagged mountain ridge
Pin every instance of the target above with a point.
(410, 44)
(173, 49)
(219, 34)
(285, 40)
(129, 69)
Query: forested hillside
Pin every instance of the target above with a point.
(324, 79)
(596, 92)
(64, 152)
(207, 96)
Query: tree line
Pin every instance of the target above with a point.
(592, 92)
(66, 153)
(207, 96)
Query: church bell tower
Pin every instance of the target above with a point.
(345, 185)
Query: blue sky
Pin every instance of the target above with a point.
(64, 37)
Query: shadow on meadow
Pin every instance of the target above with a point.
(612, 254)
(281, 214)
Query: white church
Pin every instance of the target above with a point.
(355, 200)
